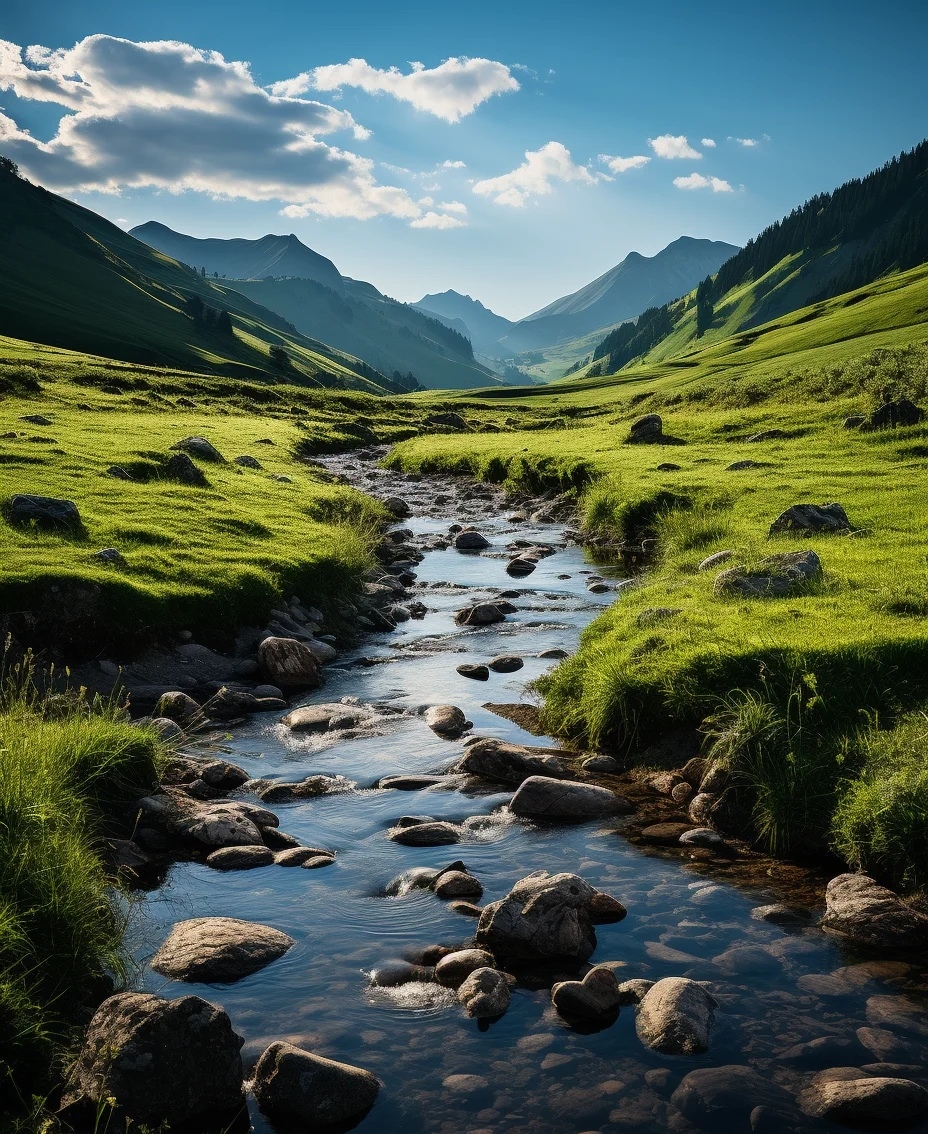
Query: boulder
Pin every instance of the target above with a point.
(239, 858)
(159, 1062)
(702, 837)
(855, 421)
(208, 949)
(859, 908)
(454, 968)
(45, 512)
(247, 462)
(867, 1101)
(675, 1017)
(646, 430)
(446, 720)
(326, 718)
(227, 704)
(300, 856)
(634, 991)
(276, 791)
(506, 663)
(199, 447)
(292, 1085)
(604, 909)
(777, 913)
(184, 471)
(179, 707)
(811, 518)
(483, 614)
(288, 664)
(895, 413)
(595, 996)
(397, 507)
(457, 884)
(775, 576)
(484, 994)
(474, 672)
(447, 421)
(470, 540)
(722, 1098)
(433, 834)
(544, 916)
(504, 763)
(520, 567)
(541, 797)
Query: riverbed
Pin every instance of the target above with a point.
(777, 988)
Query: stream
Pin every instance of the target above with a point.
(778, 988)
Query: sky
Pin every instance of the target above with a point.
(513, 151)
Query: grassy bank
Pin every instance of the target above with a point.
(68, 770)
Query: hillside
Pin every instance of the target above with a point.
(242, 259)
(484, 325)
(74, 280)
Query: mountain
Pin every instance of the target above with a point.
(834, 243)
(484, 325)
(72, 279)
(241, 259)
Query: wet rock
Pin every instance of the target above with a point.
(199, 447)
(470, 540)
(554, 652)
(292, 1085)
(885, 1045)
(398, 973)
(664, 833)
(317, 862)
(675, 1017)
(605, 910)
(409, 783)
(484, 994)
(646, 430)
(779, 914)
(865, 1101)
(279, 840)
(597, 588)
(454, 968)
(703, 837)
(178, 707)
(223, 826)
(541, 797)
(446, 720)
(898, 1013)
(465, 908)
(520, 567)
(184, 471)
(326, 718)
(544, 916)
(45, 512)
(208, 949)
(158, 1062)
(595, 996)
(239, 858)
(506, 663)
(823, 1051)
(457, 884)
(288, 664)
(504, 763)
(313, 786)
(397, 507)
(300, 856)
(475, 672)
(228, 704)
(634, 991)
(811, 518)
(223, 775)
(606, 764)
(871, 915)
(775, 576)
(483, 614)
(721, 1097)
(435, 834)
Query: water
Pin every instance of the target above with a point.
(531, 1072)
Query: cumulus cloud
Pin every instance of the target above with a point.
(697, 181)
(450, 91)
(437, 220)
(673, 146)
(534, 176)
(453, 165)
(748, 143)
(623, 164)
(709, 143)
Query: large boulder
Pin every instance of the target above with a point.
(544, 916)
(430, 834)
(859, 908)
(867, 1101)
(507, 763)
(595, 996)
(207, 949)
(326, 718)
(292, 1085)
(483, 614)
(811, 518)
(484, 994)
(45, 512)
(541, 797)
(199, 447)
(156, 1061)
(774, 577)
(288, 664)
(470, 540)
(895, 413)
(722, 1098)
(446, 720)
(675, 1017)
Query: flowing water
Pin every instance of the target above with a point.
(528, 1071)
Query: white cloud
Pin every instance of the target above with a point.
(169, 116)
(673, 146)
(709, 143)
(534, 176)
(748, 143)
(453, 165)
(623, 164)
(437, 220)
(454, 207)
(697, 181)
(450, 91)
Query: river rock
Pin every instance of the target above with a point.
(722, 1098)
(239, 858)
(398, 973)
(703, 837)
(605, 910)
(446, 720)
(433, 834)
(199, 447)
(777, 913)
(871, 915)
(178, 707)
(506, 663)
(208, 949)
(171, 1062)
(664, 833)
(594, 996)
(44, 512)
(222, 826)
(634, 991)
(397, 507)
(408, 783)
(326, 718)
(504, 763)
(288, 664)
(544, 916)
(475, 672)
(484, 994)
(292, 1085)
(541, 797)
(276, 791)
(775, 576)
(483, 614)
(454, 968)
(866, 1101)
(520, 567)
(470, 540)
(601, 763)
(457, 884)
(811, 518)
(675, 1017)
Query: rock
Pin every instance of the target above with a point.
(779, 914)
(634, 991)
(208, 949)
(607, 764)
(897, 1012)
(675, 1017)
(239, 858)
(179, 707)
(446, 720)
(694, 770)
(484, 994)
(435, 834)
(310, 788)
(769, 435)
(182, 469)
(811, 518)
(554, 652)
(470, 540)
(326, 718)
(454, 968)
(475, 672)
(397, 507)
(775, 576)
(37, 419)
(465, 1084)
(541, 797)
(199, 447)
(288, 664)
(504, 763)
(224, 826)
(855, 421)
(266, 691)
(664, 833)
(597, 588)
(715, 560)
(119, 473)
(457, 884)
(703, 837)
(520, 567)
(543, 917)
(160, 1062)
(111, 556)
(892, 414)
(228, 704)
(467, 909)
(681, 792)
(301, 856)
(292, 1085)
(824, 1051)
(740, 466)
(604, 909)
(323, 652)
(44, 512)
(857, 907)
(723, 1098)
(702, 806)
(398, 974)
(668, 466)
(247, 462)
(594, 996)
(506, 663)
(865, 1101)
(483, 614)
(447, 421)
(408, 783)
(646, 430)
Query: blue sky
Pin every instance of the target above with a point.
(424, 185)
